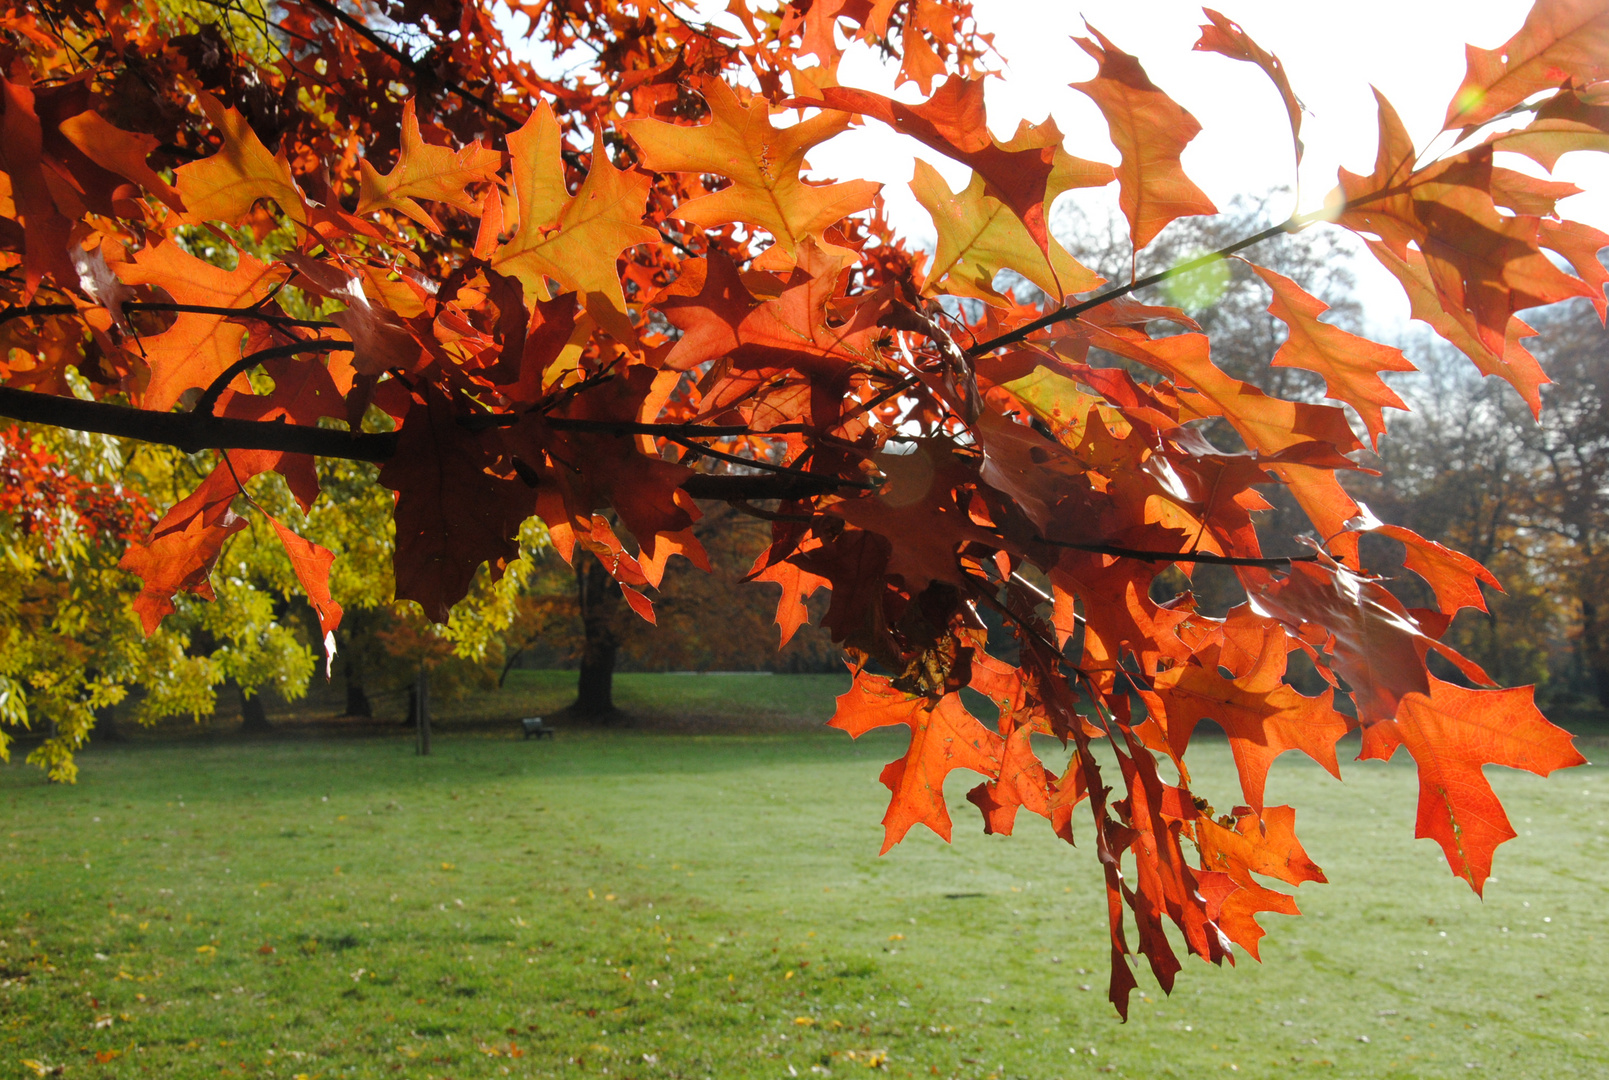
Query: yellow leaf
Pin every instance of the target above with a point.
(424, 171)
(223, 187)
(573, 240)
(979, 236)
(763, 163)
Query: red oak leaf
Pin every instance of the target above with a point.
(944, 737)
(1451, 732)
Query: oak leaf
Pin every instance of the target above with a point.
(1223, 35)
(1150, 131)
(1561, 39)
(1258, 843)
(1350, 365)
(423, 171)
(1512, 363)
(1364, 632)
(121, 152)
(978, 236)
(198, 347)
(1451, 732)
(225, 186)
(454, 512)
(1026, 173)
(763, 162)
(1454, 577)
(574, 240)
(179, 552)
(944, 737)
(1563, 124)
(45, 231)
(1262, 715)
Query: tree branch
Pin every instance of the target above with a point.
(193, 431)
(23, 311)
(1178, 556)
(209, 397)
(407, 62)
(1064, 314)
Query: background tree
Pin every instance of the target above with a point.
(602, 296)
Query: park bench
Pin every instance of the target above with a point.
(533, 726)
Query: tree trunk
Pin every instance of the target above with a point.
(599, 598)
(1595, 649)
(357, 701)
(106, 729)
(253, 718)
(419, 700)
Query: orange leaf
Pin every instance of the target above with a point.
(1262, 715)
(45, 230)
(763, 163)
(1269, 425)
(944, 737)
(1453, 576)
(1026, 174)
(1350, 365)
(1564, 123)
(197, 348)
(121, 152)
(1513, 363)
(798, 585)
(179, 552)
(1224, 35)
(1479, 261)
(1150, 131)
(1451, 732)
(1375, 644)
(311, 564)
(573, 240)
(1258, 844)
(1561, 39)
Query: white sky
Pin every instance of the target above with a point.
(1412, 50)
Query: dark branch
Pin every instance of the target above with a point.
(209, 398)
(236, 313)
(23, 311)
(407, 63)
(1064, 314)
(1177, 556)
(193, 431)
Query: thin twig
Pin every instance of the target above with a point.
(1063, 314)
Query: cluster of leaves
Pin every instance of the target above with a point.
(70, 648)
(557, 296)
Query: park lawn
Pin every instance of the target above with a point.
(637, 904)
(726, 701)
(680, 702)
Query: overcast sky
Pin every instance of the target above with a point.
(1412, 50)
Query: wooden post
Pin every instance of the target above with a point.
(421, 697)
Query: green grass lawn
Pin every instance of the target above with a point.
(708, 703)
(636, 904)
